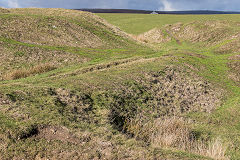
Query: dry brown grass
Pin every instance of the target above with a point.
(174, 132)
(31, 56)
(23, 73)
(215, 149)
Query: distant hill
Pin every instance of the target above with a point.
(160, 12)
(116, 11)
(197, 12)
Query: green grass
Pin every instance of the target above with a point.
(140, 23)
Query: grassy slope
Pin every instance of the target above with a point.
(29, 103)
(37, 101)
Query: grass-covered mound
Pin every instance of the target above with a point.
(59, 27)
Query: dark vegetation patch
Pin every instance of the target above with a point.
(68, 108)
(28, 132)
(16, 96)
(4, 100)
(13, 106)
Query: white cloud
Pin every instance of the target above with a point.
(167, 6)
(13, 4)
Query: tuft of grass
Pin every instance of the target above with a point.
(215, 149)
(174, 132)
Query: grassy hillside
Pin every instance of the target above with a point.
(73, 86)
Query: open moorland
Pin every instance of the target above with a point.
(75, 85)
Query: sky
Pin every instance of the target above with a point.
(166, 5)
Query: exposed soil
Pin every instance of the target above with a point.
(57, 133)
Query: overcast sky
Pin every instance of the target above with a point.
(230, 5)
